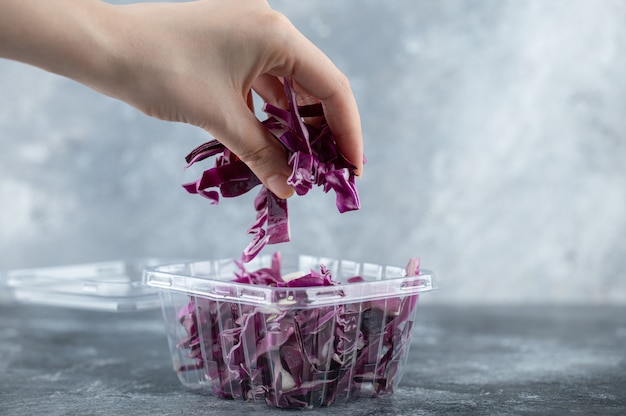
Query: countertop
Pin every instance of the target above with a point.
(466, 360)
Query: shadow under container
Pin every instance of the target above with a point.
(290, 347)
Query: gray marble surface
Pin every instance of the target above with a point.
(472, 360)
(494, 131)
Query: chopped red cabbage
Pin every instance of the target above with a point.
(296, 357)
(314, 159)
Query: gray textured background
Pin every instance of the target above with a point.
(495, 135)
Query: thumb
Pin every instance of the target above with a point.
(245, 136)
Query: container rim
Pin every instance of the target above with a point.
(183, 277)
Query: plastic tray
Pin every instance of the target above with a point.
(290, 347)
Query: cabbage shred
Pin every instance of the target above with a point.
(312, 154)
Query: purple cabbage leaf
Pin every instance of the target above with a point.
(312, 154)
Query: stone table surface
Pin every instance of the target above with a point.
(466, 360)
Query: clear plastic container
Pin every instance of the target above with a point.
(290, 347)
(103, 286)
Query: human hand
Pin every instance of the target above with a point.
(197, 62)
(193, 62)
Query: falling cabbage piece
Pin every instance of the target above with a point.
(314, 159)
(297, 357)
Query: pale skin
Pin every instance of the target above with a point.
(192, 62)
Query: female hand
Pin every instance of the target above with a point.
(192, 62)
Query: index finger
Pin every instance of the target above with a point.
(314, 72)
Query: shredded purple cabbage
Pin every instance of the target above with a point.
(296, 357)
(314, 159)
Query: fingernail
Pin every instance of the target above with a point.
(278, 185)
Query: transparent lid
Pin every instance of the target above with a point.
(214, 279)
(105, 286)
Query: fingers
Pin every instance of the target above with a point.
(340, 110)
(250, 101)
(343, 118)
(244, 135)
(318, 76)
(271, 90)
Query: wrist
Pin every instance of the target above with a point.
(72, 38)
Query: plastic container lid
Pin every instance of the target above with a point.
(103, 286)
